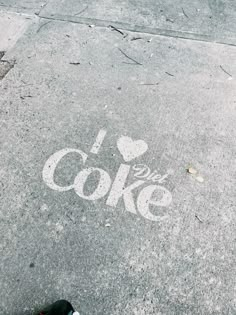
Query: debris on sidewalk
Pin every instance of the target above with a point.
(117, 157)
(225, 71)
(192, 170)
(184, 13)
(135, 38)
(200, 179)
(32, 265)
(25, 96)
(116, 29)
(195, 174)
(170, 74)
(169, 20)
(197, 217)
(149, 83)
(135, 61)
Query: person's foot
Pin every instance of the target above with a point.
(61, 307)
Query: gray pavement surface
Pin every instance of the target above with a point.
(211, 20)
(102, 231)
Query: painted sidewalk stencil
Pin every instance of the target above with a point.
(130, 149)
(152, 193)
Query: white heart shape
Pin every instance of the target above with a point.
(130, 149)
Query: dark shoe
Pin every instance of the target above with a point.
(61, 307)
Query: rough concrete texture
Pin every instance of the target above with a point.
(69, 82)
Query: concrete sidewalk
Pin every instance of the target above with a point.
(118, 157)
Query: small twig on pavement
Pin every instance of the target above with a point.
(225, 71)
(135, 61)
(74, 63)
(197, 217)
(169, 74)
(185, 13)
(116, 29)
(40, 27)
(23, 97)
(149, 83)
(136, 38)
(169, 20)
(80, 12)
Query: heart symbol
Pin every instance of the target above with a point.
(130, 149)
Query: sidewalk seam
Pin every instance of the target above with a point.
(139, 29)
